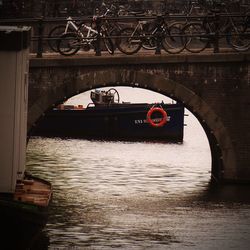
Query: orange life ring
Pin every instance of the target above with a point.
(163, 120)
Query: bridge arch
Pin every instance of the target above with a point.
(222, 153)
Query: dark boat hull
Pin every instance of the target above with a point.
(21, 222)
(119, 122)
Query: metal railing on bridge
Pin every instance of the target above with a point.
(128, 34)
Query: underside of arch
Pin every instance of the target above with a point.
(222, 151)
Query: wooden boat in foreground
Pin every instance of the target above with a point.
(108, 118)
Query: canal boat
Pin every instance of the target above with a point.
(24, 213)
(108, 118)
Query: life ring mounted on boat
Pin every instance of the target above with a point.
(157, 110)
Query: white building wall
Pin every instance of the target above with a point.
(13, 116)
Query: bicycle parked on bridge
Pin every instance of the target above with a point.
(235, 29)
(150, 35)
(79, 27)
(194, 9)
(84, 37)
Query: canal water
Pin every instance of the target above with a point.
(138, 195)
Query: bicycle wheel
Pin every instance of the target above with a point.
(113, 34)
(129, 41)
(238, 37)
(69, 44)
(108, 43)
(54, 36)
(173, 41)
(196, 37)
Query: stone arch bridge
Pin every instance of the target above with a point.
(214, 87)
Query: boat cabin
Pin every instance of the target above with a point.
(102, 97)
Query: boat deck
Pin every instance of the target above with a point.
(34, 191)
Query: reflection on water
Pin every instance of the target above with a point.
(137, 195)
(118, 168)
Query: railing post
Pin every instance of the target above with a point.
(159, 20)
(98, 39)
(217, 33)
(43, 3)
(40, 38)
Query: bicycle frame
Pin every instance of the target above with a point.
(222, 28)
(85, 38)
(139, 27)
